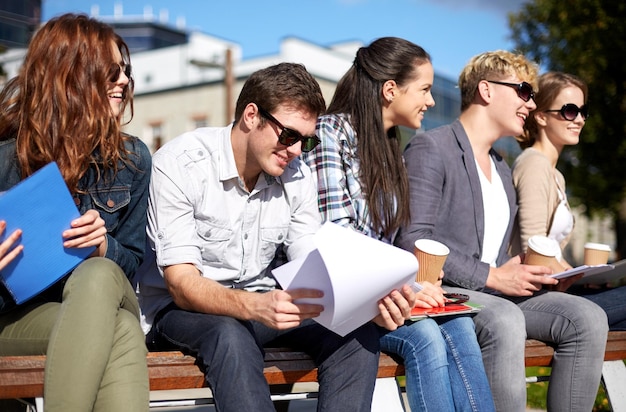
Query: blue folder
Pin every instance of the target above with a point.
(42, 206)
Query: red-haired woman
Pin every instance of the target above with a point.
(66, 105)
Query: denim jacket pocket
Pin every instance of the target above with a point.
(111, 202)
(271, 239)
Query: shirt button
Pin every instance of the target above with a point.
(245, 236)
(110, 203)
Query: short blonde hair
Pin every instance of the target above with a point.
(494, 65)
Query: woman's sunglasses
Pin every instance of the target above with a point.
(570, 111)
(116, 69)
(289, 137)
(524, 90)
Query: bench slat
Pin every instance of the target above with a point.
(22, 376)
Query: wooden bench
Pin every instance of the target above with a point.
(22, 376)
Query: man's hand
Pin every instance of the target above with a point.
(277, 309)
(516, 279)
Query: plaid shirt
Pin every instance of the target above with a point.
(335, 167)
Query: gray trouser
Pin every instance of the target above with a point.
(96, 352)
(575, 326)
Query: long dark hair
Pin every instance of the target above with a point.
(359, 94)
(57, 106)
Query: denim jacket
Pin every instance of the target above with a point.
(122, 203)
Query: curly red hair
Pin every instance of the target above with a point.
(57, 107)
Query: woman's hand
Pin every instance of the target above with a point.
(395, 308)
(6, 253)
(87, 230)
(564, 284)
(430, 296)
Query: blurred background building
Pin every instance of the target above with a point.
(186, 79)
(18, 21)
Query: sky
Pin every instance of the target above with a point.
(451, 31)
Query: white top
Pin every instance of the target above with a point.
(201, 213)
(496, 212)
(563, 219)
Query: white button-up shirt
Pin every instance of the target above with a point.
(201, 213)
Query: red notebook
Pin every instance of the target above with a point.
(447, 310)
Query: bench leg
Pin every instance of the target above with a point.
(39, 404)
(614, 376)
(387, 396)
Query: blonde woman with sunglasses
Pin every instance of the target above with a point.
(557, 122)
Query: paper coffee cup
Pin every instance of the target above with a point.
(431, 255)
(596, 253)
(543, 251)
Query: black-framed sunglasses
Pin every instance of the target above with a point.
(570, 111)
(524, 90)
(289, 137)
(116, 69)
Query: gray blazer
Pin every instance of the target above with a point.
(447, 204)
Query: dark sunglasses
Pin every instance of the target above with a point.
(570, 111)
(524, 90)
(289, 137)
(116, 69)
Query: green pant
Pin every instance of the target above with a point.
(96, 352)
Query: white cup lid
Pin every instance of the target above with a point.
(598, 246)
(544, 245)
(432, 246)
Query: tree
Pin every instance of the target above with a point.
(587, 38)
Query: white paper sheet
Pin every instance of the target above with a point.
(617, 273)
(586, 269)
(353, 270)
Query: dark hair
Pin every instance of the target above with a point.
(359, 94)
(57, 107)
(288, 84)
(550, 85)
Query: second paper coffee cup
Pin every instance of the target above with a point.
(596, 253)
(431, 255)
(543, 251)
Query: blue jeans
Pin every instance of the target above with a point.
(230, 352)
(576, 327)
(443, 363)
(611, 300)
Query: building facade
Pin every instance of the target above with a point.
(18, 21)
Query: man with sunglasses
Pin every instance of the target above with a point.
(463, 196)
(223, 202)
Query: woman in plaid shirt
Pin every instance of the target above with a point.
(362, 184)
